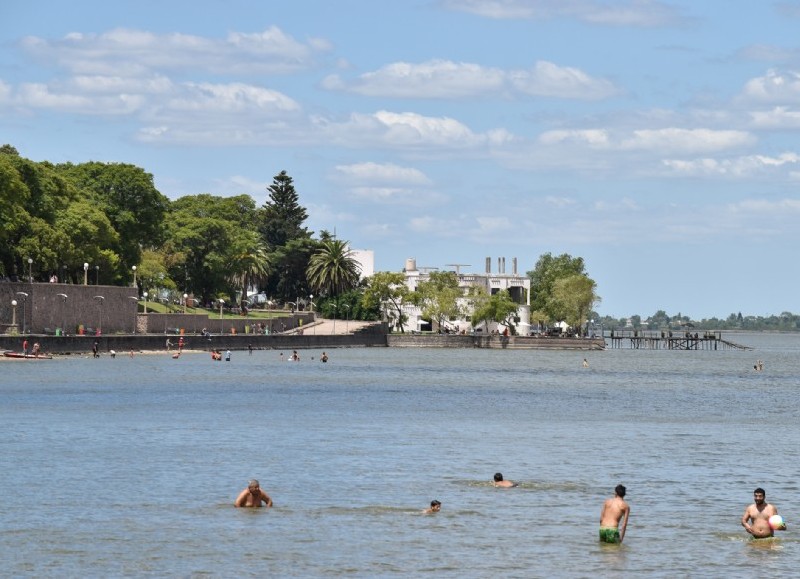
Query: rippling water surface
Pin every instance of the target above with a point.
(129, 466)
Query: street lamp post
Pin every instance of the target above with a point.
(313, 318)
(221, 305)
(135, 312)
(134, 275)
(14, 314)
(100, 300)
(24, 317)
(145, 302)
(185, 297)
(97, 275)
(334, 319)
(347, 318)
(64, 273)
(64, 314)
(30, 270)
(85, 273)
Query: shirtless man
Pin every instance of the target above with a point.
(499, 482)
(436, 506)
(252, 496)
(756, 517)
(614, 511)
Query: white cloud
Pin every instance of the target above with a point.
(232, 98)
(635, 13)
(386, 183)
(666, 140)
(777, 118)
(380, 173)
(685, 140)
(432, 79)
(424, 224)
(494, 225)
(444, 79)
(400, 130)
(40, 96)
(93, 84)
(782, 207)
(127, 52)
(594, 138)
(739, 167)
(551, 80)
(774, 87)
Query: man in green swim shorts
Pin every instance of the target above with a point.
(614, 510)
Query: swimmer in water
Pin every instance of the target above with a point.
(501, 483)
(253, 496)
(435, 507)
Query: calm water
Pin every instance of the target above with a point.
(129, 467)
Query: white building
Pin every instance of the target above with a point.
(366, 261)
(518, 286)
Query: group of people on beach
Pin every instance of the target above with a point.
(614, 514)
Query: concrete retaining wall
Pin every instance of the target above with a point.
(492, 342)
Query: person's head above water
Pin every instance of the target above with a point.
(498, 477)
(620, 490)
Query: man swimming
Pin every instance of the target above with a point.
(499, 482)
(436, 506)
(756, 517)
(614, 510)
(252, 496)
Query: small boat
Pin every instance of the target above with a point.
(10, 354)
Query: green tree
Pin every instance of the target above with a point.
(387, 291)
(548, 269)
(31, 196)
(249, 261)
(438, 297)
(199, 245)
(282, 216)
(127, 195)
(289, 266)
(90, 237)
(332, 268)
(153, 272)
(575, 296)
(13, 195)
(498, 308)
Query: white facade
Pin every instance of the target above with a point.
(519, 286)
(366, 260)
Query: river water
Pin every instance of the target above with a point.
(129, 466)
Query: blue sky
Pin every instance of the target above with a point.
(655, 139)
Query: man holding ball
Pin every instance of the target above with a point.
(756, 517)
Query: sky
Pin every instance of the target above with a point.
(656, 139)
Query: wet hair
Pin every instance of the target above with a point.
(253, 483)
(436, 503)
(620, 490)
(498, 476)
(760, 491)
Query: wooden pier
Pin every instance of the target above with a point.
(667, 340)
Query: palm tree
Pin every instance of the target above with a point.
(249, 262)
(332, 269)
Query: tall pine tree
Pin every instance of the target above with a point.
(283, 216)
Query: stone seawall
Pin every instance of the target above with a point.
(492, 342)
(155, 342)
(123, 344)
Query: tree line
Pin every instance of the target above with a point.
(785, 322)
(55, 218)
